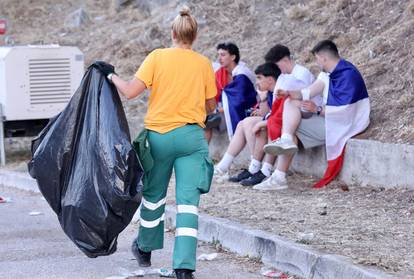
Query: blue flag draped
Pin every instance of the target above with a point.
(241, 95)
(346, 85)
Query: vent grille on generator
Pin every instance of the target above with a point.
(49, 81)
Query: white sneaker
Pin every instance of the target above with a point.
(220, 176)
(273, 183)
(281, 146)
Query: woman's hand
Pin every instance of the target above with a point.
(104, 67)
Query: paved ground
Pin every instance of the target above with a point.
(36, 247)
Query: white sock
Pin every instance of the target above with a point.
(267, 169)
(225, 162)
(254, 166)
(287, 136)
(279, 174)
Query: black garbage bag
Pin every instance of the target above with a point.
(86, 168)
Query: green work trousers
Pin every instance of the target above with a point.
(185, 150)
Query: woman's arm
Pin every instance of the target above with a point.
(129, 89)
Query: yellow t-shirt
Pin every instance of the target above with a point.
(180, 81)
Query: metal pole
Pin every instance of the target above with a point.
(2, 151)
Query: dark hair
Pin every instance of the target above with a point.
(268, 69)
(232, 49)
(276, 53)
(326, 45)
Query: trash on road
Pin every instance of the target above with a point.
(35, 213)
(5, 199)
(306, 237)
(162, 272)
(207, 257)
(273, 273)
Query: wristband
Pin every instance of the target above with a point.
(305, 94)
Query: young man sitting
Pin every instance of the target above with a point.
(266, 77)
(238, 93)
(345, 114)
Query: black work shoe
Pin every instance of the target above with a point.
(143, 258)
(241, 176)
(254, 179)
(184, 273)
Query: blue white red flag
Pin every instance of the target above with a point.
(346, 115)
(238, 96)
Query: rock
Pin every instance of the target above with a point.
(77, 18)
(322, 209)
(148, 6)
(116, 4)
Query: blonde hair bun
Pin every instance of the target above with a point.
(185, 11)
(185, 26)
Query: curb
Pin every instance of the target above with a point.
(272, 250)
(275, 251)
(19, 180)
(366, 162)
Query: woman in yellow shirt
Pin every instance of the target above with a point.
(182, 89)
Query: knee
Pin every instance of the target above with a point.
(289, 103)
(240, 125)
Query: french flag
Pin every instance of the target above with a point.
(221, 81)
(346, 115)
(238, 96)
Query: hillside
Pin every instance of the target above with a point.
(376, 35)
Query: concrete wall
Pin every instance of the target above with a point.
(367, 162)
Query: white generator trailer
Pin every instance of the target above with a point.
(36, 83)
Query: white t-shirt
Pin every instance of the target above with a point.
(324, 77)
(300, 78)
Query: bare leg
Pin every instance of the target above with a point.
(270, 159)
(250, 137)
(238, 141)
(291, 116)
(261, 140)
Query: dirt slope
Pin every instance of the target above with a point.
(376, 35)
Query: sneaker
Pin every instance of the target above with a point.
(254, 179)
(272, 184)
(281, 146)
(241, 176)
(220, 176)
(143, 258)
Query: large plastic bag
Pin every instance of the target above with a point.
(86, 168)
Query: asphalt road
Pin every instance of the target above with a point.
(36, 247)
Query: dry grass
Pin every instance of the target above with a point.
(298, 11)
(377, 36)
(410, 7)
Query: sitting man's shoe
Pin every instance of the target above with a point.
(143, 258)
(273, 183)
(281, 146)
(220, 176)
(241, 176)
(184, 273)
(254, 179)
